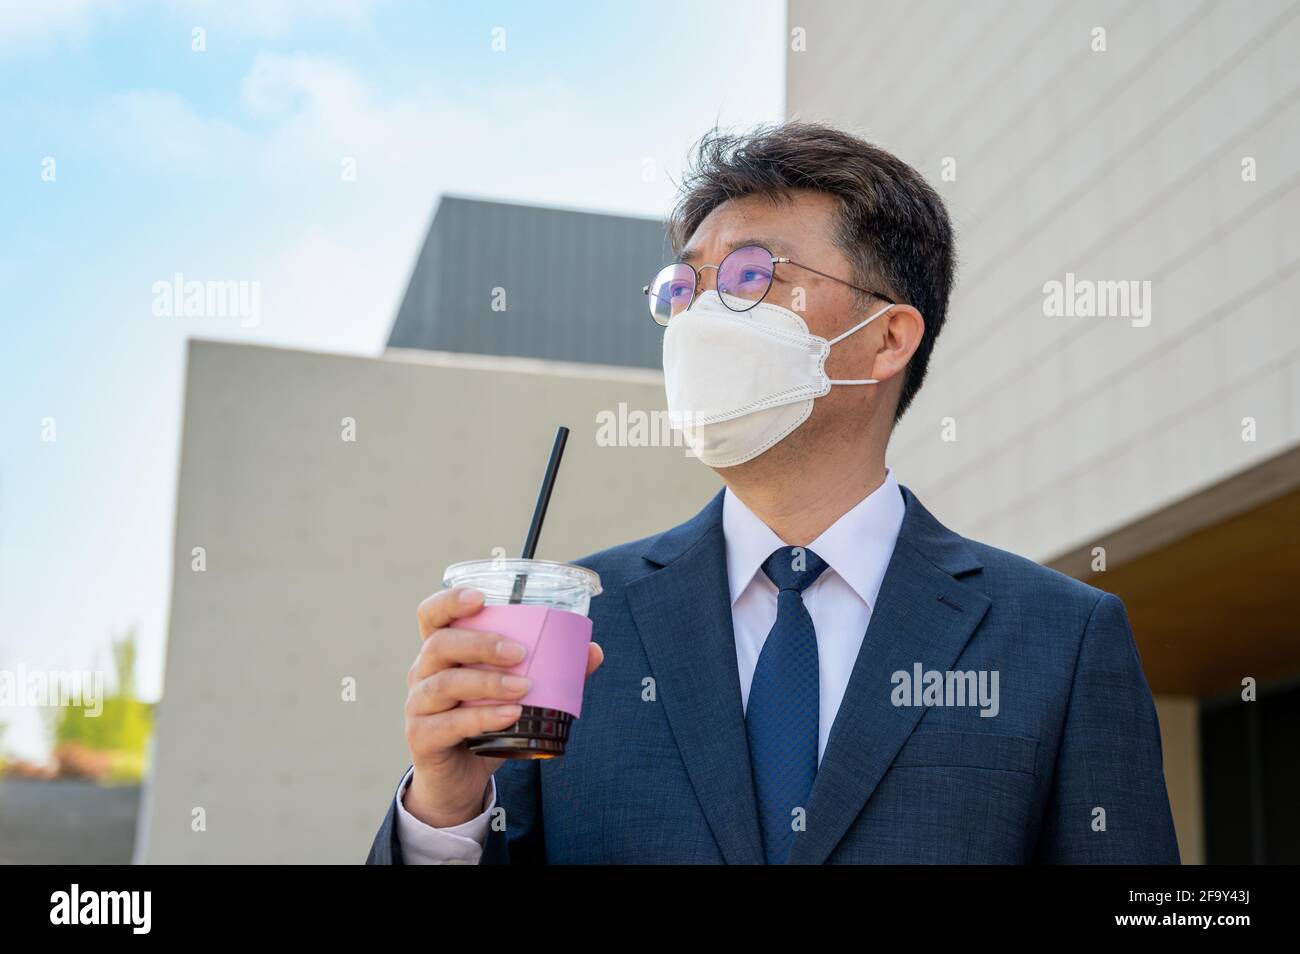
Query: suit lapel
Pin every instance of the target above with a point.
(923, 615)
(683, 613)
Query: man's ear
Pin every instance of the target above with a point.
(901, 331)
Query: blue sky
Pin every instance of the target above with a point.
(226, 165)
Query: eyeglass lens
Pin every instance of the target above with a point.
(745, 274)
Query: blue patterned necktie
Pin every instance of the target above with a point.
(781, 716)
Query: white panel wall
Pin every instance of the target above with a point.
(1116, 165)
(318, 550)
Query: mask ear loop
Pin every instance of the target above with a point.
(860, 325)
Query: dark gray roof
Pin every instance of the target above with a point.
(572, 283)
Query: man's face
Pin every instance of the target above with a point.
(802, 229)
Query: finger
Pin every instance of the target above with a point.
(446, 689)
(595, 656)
(448, 729)
(452, 647)
(440, 609)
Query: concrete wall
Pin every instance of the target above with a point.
(318, 550)
(1117, 165)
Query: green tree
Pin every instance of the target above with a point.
(122, 729)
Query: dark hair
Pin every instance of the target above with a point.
(892, 226)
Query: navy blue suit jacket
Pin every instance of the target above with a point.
(657, 768)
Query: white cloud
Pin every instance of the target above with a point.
(272, 18)
(306, 113)
(277, 85)
(155, 128)
(35, 21)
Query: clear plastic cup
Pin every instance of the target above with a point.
(541, 731)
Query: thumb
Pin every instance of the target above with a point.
(595, 656)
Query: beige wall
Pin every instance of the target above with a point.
(1122, 165)
(1180, 738)
(318, 551)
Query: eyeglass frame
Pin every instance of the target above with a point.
(776, 260)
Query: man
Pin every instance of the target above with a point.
(813, 669)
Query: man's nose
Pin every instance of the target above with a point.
(708, 278)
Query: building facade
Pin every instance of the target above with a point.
(1117, 389)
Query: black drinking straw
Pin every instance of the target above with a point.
(539, 511)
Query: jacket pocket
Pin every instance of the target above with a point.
(1007, 753)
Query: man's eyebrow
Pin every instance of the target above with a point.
(776, 248)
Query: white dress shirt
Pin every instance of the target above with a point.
(856, 548)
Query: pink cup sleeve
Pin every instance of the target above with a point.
(556, 653)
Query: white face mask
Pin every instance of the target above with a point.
(739, 382)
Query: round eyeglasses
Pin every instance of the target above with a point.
(744, 277)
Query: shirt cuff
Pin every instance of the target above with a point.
(458, 845)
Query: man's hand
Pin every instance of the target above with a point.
(450, 782)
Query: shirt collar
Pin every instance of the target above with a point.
(857, 546)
